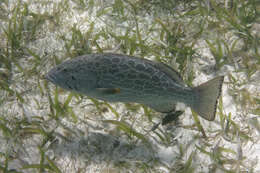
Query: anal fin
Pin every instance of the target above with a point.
(163, 108)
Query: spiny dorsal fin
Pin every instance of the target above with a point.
(170, 71)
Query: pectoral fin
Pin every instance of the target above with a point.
(108, 91)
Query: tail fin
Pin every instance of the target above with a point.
(207, 95)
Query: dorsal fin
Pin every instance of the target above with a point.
(170, 71)
(163, 67)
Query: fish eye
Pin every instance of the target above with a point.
(58, 68)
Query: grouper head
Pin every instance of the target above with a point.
(72, 76)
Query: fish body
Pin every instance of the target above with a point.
(122, 78)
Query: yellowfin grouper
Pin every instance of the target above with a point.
(122, 78)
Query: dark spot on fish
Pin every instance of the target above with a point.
(155, 78)
(73, 78)
(116, 143)
(78, 70)
(114, 66)
(124, 66)
(106, 61)
(143, 76)
(127, 85)
(131, 76)
(113, 70)
(115, 60)
(97, 64)
(138, 87)
(140, 67)
(128, 81)
(131, 71)
(131, 63)
(139, 82)
(166, 85)
(148, 90)
(90, 64)
(65, 70)
(68, 85)
(150, 70)
(120, 76)
(147, 86)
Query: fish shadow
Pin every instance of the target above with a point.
(100, 147)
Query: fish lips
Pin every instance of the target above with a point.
(50, 77)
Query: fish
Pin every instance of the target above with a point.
(122, 78)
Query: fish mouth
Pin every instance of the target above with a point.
(49, 78)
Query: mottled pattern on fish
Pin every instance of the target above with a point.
(122, 78)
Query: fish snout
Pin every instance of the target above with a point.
(49, 77)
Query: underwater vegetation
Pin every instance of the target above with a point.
(44, 128)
